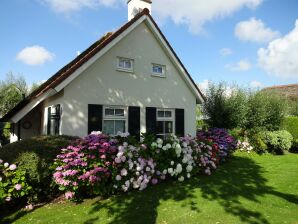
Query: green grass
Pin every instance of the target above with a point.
(247, 189)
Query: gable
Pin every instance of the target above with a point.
(102, 82)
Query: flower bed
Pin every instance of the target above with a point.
(13, 182)
(102, 165)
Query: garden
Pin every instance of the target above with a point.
(235, 171)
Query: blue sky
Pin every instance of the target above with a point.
(249, 42)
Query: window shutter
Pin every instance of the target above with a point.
(134, 121)
(94, 118)
(179, 122)
(49, 121)
(151, 120)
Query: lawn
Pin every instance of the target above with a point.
(247, 189)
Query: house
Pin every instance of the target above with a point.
(128, 81)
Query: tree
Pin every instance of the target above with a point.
(225, 107)
(12, 90)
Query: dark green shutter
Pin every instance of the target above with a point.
(94, 118)
(49, 121)
(151, 120)
(134, 121)
(179, 122)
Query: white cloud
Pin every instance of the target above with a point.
(225, 51)
(240, 66)
(35, 55)
(203, 86)
(255, 30)
(280, 57)
(195, 13)
(256, 84)
(69, 6)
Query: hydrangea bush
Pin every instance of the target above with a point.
(222, 138)
(13, 182)
(100, 164)
(244, 146)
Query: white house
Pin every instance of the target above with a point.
(129, 81)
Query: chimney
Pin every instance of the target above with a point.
(136, 6)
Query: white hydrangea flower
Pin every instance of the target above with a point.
(168, 146)
(118, 177)
(181, 179)
(172, 163)
(164, 148)
(178, 168)
(189, 168)
(159, 141)
(165, 172)
(153, 145)
(159, 146)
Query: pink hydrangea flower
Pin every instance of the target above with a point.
(154, 181)
(69, 195)
(18, 187)
(12, 167)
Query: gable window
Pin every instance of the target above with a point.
(114, 120)
(125, 64)
(164, 122)
(53, 125)
(158, 70)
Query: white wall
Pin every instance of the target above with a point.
(101, 83)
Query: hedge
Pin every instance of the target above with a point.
(34, 156)
(291, 125)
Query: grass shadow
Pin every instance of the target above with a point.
(239, 178)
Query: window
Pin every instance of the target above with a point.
(158, 70)
(114, 120)
(164, 122)
(53, 125)
(125, 64)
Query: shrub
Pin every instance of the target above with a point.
(291, 125)
(277, 141)
(244, 146)
(294, 147)
(224, 109)
(34, 156)
(265, 112)
(221, 137)
(101, 164)
(13, 183)
(257, 142)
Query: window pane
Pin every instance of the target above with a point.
(119, 126)
(119, 112)
(157, 69)
(108, 127)
(159, 127)
(160, 113)
(168, 113)
(125, 63)
(168, 127)
(109, 112)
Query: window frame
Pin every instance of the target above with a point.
(53, 117)
(119, 68)
(115, 118)
(165, 119)
(157, 74)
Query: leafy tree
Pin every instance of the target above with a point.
(12, 91)
(225, 107)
